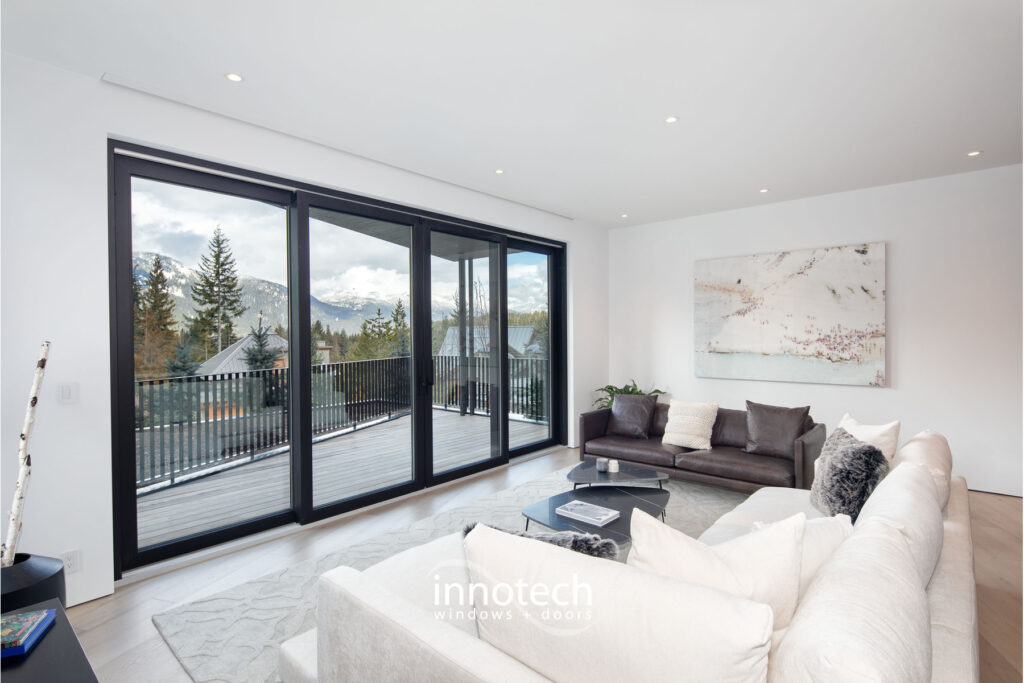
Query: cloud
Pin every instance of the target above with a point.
(362, 281)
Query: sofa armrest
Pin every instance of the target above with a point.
(806, 450)
(593, 424)
(366, 632)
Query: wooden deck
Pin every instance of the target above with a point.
(365, 460)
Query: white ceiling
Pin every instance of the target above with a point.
(569, 97)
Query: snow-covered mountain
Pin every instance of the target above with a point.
(258, 295)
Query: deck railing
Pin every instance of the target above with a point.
(189, 425)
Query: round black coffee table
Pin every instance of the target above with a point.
(621, 498)
(628, 474)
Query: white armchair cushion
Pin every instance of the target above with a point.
(763, 565)
(606, 621)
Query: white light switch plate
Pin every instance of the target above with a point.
(67, 393)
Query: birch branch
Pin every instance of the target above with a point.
(24, 461)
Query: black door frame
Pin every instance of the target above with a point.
(127, 552)
(130, 159)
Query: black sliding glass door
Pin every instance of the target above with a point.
(467, 347)
(284, 355)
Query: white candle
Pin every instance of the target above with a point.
(613, 465)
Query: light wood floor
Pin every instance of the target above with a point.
(368, 459)
(123, 645)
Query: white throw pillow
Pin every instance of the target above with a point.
(822, 536)
(930, 449)
(584, 619)
(883, 437)
(690, 424)
(864, 617)
(906, 499)
(763, 565)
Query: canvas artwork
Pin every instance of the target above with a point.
(812, 315)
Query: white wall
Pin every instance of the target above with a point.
(54, 280)
(953, 319)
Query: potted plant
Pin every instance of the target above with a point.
(610, 391)
(27, 579)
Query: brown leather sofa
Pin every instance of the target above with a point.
(724, 464)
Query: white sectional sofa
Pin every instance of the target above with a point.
(894, 602)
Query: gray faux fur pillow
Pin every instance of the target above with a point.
(848, 471)
(588, 544)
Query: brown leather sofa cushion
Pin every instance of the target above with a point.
(730, 428)
(659, 420)
(733, 463)
(631, 415)
(771, 430)
(649, 451)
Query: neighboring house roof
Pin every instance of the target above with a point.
(232, 359)
(519, 341)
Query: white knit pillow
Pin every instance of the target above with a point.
(690, 424)
(883, 437)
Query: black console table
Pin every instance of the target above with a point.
(57, 657)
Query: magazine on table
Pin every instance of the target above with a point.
(587, 512)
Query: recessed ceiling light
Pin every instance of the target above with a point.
(499, 171)
(974, 153)
(671, 119)
(764, 190)
(234, 78)
(625, 215)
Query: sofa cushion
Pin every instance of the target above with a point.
(906, 499)
(762, 565)
(930, 449)
(771, 430)
(589, 627)
(769, 504)
(689, 424)
(864, 616)
(730, 428)
(631, 415)
(415, 573)
(733, 463)
(822, 535)
(658, 420)
(649, 451)
(848, 471)
(883, 437)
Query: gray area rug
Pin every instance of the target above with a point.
(235, 635)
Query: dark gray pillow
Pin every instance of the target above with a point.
(631, 415)
(848, 471)
(771, 430)
(588, 544)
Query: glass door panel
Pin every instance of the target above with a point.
(466, 410)
(529, 347)
(210, 357)
(360, 347)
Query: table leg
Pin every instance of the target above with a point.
(527, 524)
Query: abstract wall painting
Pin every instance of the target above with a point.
(812, 315)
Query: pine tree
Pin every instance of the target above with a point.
(156, 309)
(184, 363)
(259, 355)
(374, 339)
(216, 292)
(400, 331)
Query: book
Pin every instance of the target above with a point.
(587, 512)
(20, 632)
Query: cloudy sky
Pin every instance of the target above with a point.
(178, 222)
